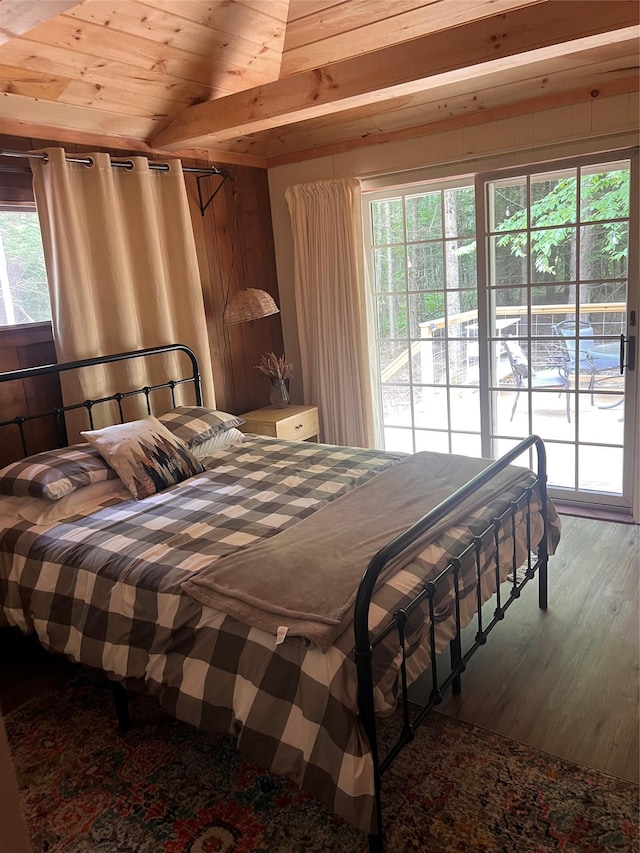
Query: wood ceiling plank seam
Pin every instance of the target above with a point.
(56, 115)
(138, 49)
(399, 27)
(17, 17)
(346, 17)
(277, 9)
(32, 84)
(191, 68)
(256, 25)
(75, 64)
(402, 69)
(118, 100)
(160, 27)
(539, 104)
(302, 8)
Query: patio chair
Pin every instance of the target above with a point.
(566, 331)
(553, 376)
(591, 358)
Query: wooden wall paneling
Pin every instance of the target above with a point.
(21, 347)
(229, 224)
(42, 395)
(265, 335)
(212, 236)
(12, 404)
(235, 247)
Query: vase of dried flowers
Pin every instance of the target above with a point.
(279, 371)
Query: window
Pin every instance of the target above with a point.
(24, 293)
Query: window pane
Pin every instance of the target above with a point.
(508, 205)
(390, 267)
(509, 254)
(392, 316)
(604, 249)
(386, 216)
(425, 267)
(424, 217)
(604, 192)
(553, 255)
(424, 307)
(461, 263)
(554, 198)
(24, 294)
(460, 212)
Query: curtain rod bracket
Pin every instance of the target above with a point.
(204, 206)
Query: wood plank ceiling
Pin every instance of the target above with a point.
(263, 82)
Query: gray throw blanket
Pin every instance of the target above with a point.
(305, 578)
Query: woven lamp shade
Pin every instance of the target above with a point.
(249, 304)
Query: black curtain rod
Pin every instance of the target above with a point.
(123, 164)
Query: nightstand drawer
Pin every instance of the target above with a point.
(299, 427)
(293, 423)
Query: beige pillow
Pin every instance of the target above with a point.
(145, 455)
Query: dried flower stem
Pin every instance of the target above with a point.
(275, 367)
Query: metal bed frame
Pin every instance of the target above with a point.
(364, 643)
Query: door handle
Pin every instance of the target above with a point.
(628, 348)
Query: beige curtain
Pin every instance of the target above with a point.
(122, 269)
(331, 298)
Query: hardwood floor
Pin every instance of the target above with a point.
(564, 681)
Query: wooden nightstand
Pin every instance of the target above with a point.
(294, 423)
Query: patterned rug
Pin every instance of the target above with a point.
(167, 788)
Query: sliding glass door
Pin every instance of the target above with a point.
(500, 308)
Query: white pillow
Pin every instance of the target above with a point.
(222, 441)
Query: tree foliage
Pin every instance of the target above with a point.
(553, 218)
(22, 241)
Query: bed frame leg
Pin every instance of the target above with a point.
(543, 584)
(121, 702)
(376, 844)
(455, 651)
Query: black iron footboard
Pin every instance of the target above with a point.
(365, 645)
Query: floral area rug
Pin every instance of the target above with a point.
(167, 788)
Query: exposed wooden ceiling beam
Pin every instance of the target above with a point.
(551, 28)
(17, 17)
(537, 104)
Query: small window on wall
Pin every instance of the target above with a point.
(24, 293)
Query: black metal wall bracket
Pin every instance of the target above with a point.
(204, 205)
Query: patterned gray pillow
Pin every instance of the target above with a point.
(196, 424)
(55, 473)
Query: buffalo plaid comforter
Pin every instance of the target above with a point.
(105, 590)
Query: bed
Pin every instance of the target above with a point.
(161, 580)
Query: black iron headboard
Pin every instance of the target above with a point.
(59, 411)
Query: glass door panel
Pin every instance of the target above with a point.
(557, 257)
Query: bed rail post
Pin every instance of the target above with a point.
(543, 547)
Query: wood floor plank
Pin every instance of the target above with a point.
(566, 680)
